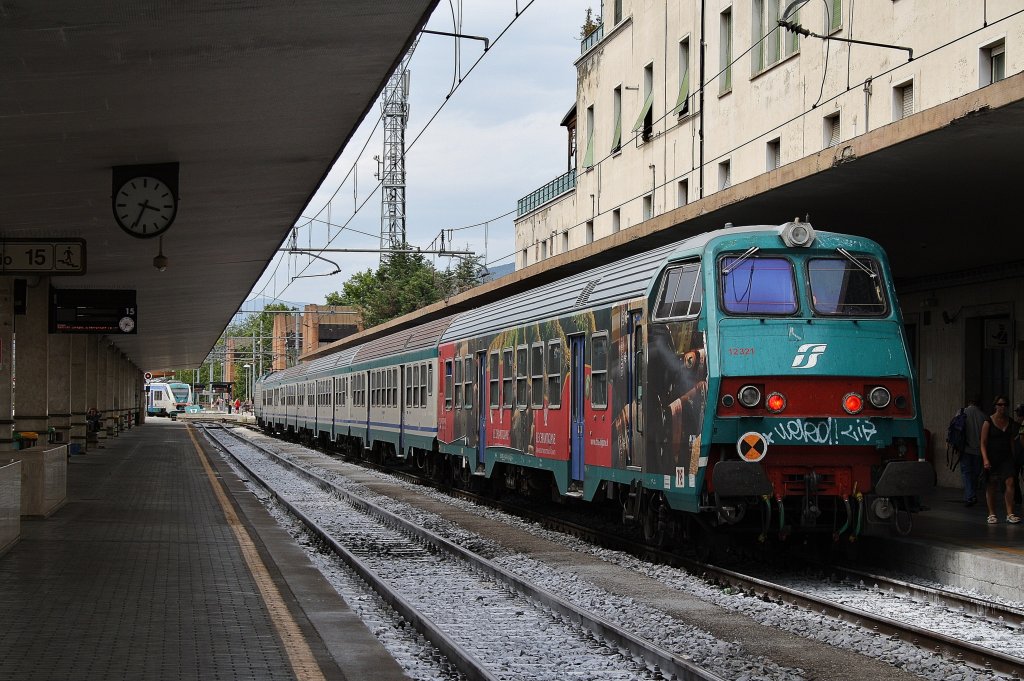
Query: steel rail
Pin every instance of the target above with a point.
(667, 662)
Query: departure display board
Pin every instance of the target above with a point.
(98, 311)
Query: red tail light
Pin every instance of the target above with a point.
(853, 403)
(776, 402)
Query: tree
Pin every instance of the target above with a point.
(404, 283)
(591, 23)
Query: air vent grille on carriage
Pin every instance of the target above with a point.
(585, 293)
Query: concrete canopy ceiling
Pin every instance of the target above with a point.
(254, 101)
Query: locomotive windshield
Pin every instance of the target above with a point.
(681, 292)
(757, 285)
(846, 287)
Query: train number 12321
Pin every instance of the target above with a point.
(737, 352)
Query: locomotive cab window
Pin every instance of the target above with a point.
(757, 285)
(599, 371)
(841, 287)
(681, 292)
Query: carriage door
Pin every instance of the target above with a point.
(481, 406)
(634, 383)
(577, 422)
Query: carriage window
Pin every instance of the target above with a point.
(681, 292)
(468, 401)
(430, 379)
(537, 375)
(424, 382)
(412, 386)
(757, 286)
(841, 288)
(395, 376)
(522, 371)
(448, 386)
(555, 374)
(507, 396)
(599, 371)
(458, 383)
(492, 375)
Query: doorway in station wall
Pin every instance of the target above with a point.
(988, 364)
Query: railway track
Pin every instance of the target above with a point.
(502, 627)
(998, 631)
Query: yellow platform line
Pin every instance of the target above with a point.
(300, 656)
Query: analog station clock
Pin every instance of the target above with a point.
(144, 206)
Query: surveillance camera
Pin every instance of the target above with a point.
(160, 262)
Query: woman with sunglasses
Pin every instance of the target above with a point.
(997, 435)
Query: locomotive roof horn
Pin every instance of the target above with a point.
(797, 234)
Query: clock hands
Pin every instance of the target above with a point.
(142, 211)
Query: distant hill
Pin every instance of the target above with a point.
(499, 271)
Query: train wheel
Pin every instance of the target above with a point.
(651, 521)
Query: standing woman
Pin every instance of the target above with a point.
(997, 434)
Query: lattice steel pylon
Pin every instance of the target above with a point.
(391, 171)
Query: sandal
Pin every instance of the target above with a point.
(992, 519)
(1012, 519)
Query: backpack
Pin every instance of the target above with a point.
(956, 438)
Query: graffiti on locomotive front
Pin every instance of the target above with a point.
(677, 397)
(827, 431)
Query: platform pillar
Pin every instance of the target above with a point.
(110, 389)
(79, 390)
(92, 372)
(58, 389)
(31, 334)
(6, 363)
(102, 383)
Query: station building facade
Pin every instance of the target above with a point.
(655, 127)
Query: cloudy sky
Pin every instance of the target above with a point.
(497, 139)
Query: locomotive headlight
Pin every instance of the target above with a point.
(797, 234)
(749, 396)
(853, 403)
(776, 402)
(879, 397)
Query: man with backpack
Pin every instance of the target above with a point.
(970, 456)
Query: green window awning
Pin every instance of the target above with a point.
(684, 93)
(617, 135)
(588, 158)
(644, 111)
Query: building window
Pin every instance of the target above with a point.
(645, 121)
(682, 192)
(599, 371)
(588, 157)
(725, 52)
(544, 249)
(565, 241)
(554, 374)
(507, 396)
(724, 175)
(683, 100)
(617, 115)
(525, 257)
(834, 18)
(993, 63)
(648, 207)
(831, 130)
(537, 375)
(618, 11)
(903, 101)
(615, 220)
(590, 232)
(764, 31)
(773, 154)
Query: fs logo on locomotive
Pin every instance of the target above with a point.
(809, 352)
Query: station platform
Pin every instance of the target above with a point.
(161, 565)
(953, 544)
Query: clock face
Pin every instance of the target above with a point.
(126, 324)
(145, 207)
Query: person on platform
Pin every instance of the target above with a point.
(238, 406)
(997, 435)
(229, 403)
(970, 459)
